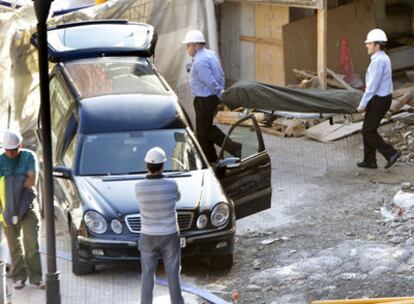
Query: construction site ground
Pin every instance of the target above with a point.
(323, 238)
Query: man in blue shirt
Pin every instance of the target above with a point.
(207, 85)
(376, 101)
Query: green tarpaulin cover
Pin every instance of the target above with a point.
(256, 95)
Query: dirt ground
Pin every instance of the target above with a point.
(324, 237)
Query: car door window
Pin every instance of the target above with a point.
(69, 154)
(245, 134)
(60, 101)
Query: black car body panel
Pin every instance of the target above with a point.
(121, 111)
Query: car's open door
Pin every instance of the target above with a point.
(246, 177)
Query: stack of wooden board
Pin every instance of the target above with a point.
(282, 127)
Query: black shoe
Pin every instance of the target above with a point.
(392, 160)
(19, 284)
(367, 165)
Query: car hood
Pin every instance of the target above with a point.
(116, 194)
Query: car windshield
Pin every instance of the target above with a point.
(124, 152)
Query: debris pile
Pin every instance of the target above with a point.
(269, 123)
(398, 215)
(401, 136)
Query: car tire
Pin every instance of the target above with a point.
(221, 262)
(79, 268)
(40, 197)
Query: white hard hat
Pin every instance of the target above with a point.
(194, 36)
(11, 139)
(376, 35)
(155, 156)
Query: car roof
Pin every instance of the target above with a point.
(114, 75)
(129, 112)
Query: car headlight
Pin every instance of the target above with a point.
(220, 215)
(95, 222)
(116, 226)
(202, 221)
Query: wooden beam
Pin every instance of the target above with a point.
(269, 57)
(322, 45)
(261, 40)
(340, 80)
(402, 57)
(313, 4)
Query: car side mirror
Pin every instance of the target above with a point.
(62, 172)
(229, 163)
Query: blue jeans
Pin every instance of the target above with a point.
(168, 248)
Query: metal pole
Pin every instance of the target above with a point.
(322, 30)
(42, 8)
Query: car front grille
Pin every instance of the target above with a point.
(185, 220)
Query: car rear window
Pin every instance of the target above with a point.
(109, 76)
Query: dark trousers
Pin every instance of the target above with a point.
(376, 110)
(207, 133)
(27, 264)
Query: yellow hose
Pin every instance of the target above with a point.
(100, 1)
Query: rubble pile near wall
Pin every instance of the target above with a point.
(401, 136)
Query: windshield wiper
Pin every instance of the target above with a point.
(136, 172)
(124, 173)
(178, 173)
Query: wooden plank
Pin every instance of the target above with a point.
(340, 80)
(325, 132)
(225, 48)
(230, 118)
(308, 80)
(402, 97)
(235, 44)
(272, 131)
(402, 57)
(315, 4)
(261, 40)
(247, 50)
(269, 59)
(230, 43)
(410, 75)
(322, 45)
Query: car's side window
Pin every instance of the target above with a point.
(69, 140)
(60, 101)
(69, 154)
(243, 135)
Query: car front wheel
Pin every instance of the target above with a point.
(221, 262)
(78, 267)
